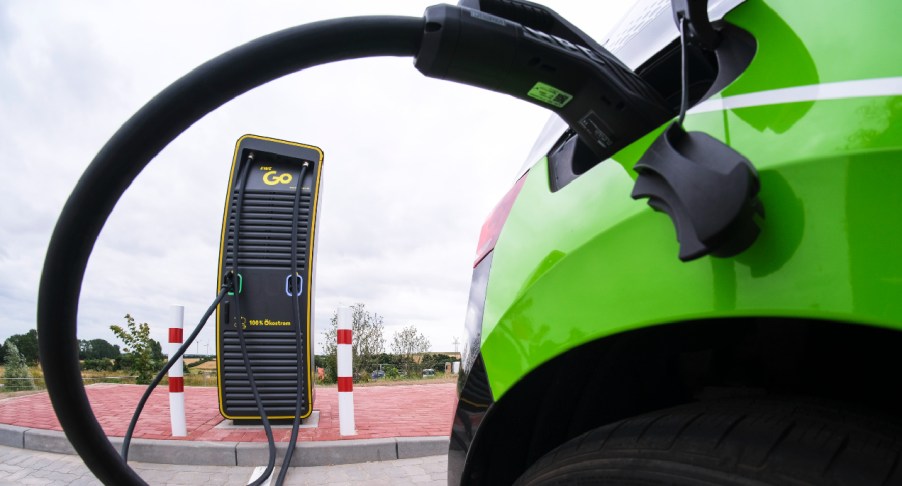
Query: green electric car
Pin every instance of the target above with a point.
(603, 348)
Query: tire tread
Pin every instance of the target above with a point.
(779, 441)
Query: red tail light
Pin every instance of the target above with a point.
(491, 229)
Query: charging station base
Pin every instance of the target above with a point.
(310, 422)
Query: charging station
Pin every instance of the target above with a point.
(264, 182)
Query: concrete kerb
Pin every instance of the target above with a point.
(317, 453)
(12, 436)
(320, 453)
(183, 452)
(411, 447)
(47, 441)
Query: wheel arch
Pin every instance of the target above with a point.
(662, 366)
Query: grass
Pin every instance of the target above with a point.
(90, 377)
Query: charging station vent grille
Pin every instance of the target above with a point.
(273, 357)
(264, 240)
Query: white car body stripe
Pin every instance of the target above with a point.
(814, 92)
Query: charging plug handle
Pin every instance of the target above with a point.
(607, 104)
(534, 16)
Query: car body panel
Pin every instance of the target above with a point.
(588, 261)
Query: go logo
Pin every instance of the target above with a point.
(272, 178)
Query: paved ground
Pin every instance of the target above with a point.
(21, 466)
(381, 412)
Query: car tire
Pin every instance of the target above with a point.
(732, 442)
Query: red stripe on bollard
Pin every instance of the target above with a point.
(345, 384)
(344, 336)
(176, 384)
(175, 335)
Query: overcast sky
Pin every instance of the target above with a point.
(412, 165)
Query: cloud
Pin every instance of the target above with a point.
(412, 165)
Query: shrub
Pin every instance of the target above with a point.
(145, 353)
(392, 372)
(17, 376)
(99, 364)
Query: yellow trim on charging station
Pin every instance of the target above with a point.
(310, 264)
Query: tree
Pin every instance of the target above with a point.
(140, 348)
(16, 375)
(389, 359)
(408, 342)
(436, 361)
(156, 350)
(27, 344)
(367, 341)
(97, 349)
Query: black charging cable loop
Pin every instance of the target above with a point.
(125, 155)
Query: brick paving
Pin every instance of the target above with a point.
(380, 412)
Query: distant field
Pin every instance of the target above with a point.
(209, 365)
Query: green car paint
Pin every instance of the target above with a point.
(588, 261)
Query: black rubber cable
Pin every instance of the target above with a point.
(684, 73)
(123, 157)
(126, 441)
(240, 184)
(296, 312)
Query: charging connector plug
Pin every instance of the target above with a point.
(607, 104)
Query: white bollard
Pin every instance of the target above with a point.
(345, 373)
(177, 374)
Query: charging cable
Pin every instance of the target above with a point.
(684, 73)
(241, 184)
(230, 286)
(296, 293)
(126, 441)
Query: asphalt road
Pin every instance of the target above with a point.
(23, 466)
